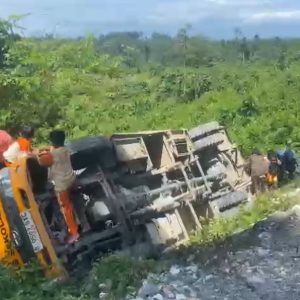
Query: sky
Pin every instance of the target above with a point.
(211, 18)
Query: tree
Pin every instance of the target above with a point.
(283, 61)
(162, 48)
(242, 44)
(238, 33)
(256, 44)
(182, 37)
(147, 51)
(7, 37)
(245, 50)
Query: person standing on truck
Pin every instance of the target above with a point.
(58, 159)
(5, 141)
(257, 167)
(22, 146)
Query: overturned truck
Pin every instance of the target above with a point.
(151, 187)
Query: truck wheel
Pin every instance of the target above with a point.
(229, 201)
(89, 151)
(216, 168)
(202, 130)
(209, 141)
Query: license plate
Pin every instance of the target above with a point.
(32, 232)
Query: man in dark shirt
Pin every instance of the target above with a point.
(289, 160)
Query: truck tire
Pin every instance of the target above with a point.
(230, 200)
(216, 168)
(203, 130)
(209, 141)
(92, 150)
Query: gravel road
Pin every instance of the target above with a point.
(261, 263)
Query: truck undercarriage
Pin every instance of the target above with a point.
(152, 187)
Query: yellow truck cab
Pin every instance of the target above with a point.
(23, 233)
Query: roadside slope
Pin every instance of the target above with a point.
(262, 262)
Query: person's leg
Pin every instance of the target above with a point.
(275, 182)
(262, 184)
(280, 176)
(259, 184)
(254, 186)
(269, 179)
(67, 208)
(291, 170)
(78, 203)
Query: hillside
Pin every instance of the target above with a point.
(77, 85)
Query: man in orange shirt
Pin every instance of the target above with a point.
(22, 146)
(5, 141)
(25, 139)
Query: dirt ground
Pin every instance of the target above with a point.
(261, 263)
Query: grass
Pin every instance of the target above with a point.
(118, 276)
(113, 275)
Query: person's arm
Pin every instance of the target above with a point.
(247, 166)
(295, 158)
(40, 151)
(45, 158)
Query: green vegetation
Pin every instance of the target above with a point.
(29, 283)
(120, 275)
(115, 276)
(127, 82)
